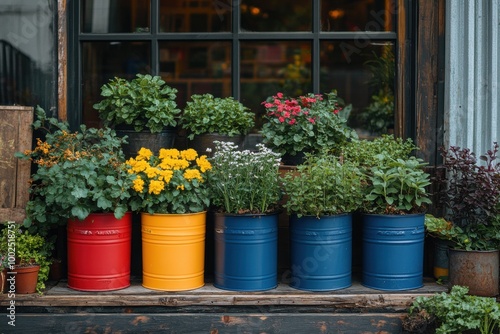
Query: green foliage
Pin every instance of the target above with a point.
(482, 237)
(144, 102)
(323, 186)
(244, 181)
(209, 114)
(457, 311)
(77, 173)
(307, 124)
(29, 249)
(397, 187)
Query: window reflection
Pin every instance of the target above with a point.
(357, 15)
(365, 79)
(28, 53)
(196, 68)
(271, 67)
(195, 16)
(105, 60)
(276, 15)
(115, 16)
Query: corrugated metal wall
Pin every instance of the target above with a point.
(472, 74)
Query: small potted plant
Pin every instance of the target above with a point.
(470, 197)
(207, 119)
(144, 109)
(81, 182)
(29, 261)
(393, 212)
(171, 194)
(322, 194)
(305, 124)
(245, 193)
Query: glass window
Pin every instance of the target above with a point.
(103, 61)
(115, 16)
(276, 15)
(357, 15)
(196, 68)
(195, 16)
(371, 69)
(28, 54)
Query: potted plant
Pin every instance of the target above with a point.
(306, 124)
(171, 193)
(470, 196)
(26, 258)
(144, 109)
(81, 181)
(245, 193)
(321, 195)
(208, 118)
(393, 212)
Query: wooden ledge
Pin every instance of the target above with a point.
(355, 297)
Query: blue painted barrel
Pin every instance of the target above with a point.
(393, 251)
(246, 252)
(321, 252)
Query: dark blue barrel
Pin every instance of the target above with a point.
(393, 251)
(321, 252)
(246, 252)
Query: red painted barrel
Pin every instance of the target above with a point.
(99, 250)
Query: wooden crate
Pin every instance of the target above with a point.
(15, 136)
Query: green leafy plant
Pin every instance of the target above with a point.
(77, 173)
(144, 102)
(208, 114)
(244, 181)
(456, 312)
(29, 249)
(397, 187)
(172, 182)
(306, 124)
(324, 185)
(483, 237)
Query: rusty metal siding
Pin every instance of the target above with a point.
(472, 72)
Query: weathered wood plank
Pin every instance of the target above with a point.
(15, 136)
(207, 323)
(356, 297)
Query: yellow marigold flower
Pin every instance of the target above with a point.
(203, 163)
(152, 172)
(168, 153)
(189, 154)
(155, 187)
(166, 163)
(138, 185)
(166, 176)
(190, 174)
(144, 154)
(181, 187)
(140, 166)
(180, 164)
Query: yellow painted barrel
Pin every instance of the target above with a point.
(173, 251)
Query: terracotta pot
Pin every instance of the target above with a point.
(26, 278)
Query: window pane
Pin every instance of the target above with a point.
(115, 16)
(364, 79)
(357, 15)
(28, 54)
(103, 61)
(271, 67)
(196, 68)
(276, 15)
(195, 16)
